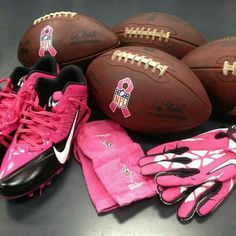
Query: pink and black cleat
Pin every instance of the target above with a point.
(14, 91)
(42, 143)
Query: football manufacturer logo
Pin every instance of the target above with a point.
(46, 42)
(121, 96)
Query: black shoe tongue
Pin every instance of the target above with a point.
(45, 88)
(53, 100)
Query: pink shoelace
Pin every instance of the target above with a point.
(36, 121)
(7, 98)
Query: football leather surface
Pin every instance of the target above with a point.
(159, 30)
(71, 37)
(148, 90)
(215, 65)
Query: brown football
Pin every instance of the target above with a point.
(159, 30)
(148, 90)
(215, 65)
(71, 37)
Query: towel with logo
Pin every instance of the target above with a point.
(109, 160)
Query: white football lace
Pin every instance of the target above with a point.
(148, 62)
(54, 15)
(146, 33)
(227, 67)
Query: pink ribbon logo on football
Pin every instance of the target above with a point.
(46, 41)
(121, 96)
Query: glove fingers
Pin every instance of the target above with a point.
(224, 171)
(159, 189)
(218, 196)
(165, 166)
(189, 206)
(172, 195)
(152, 169)
(151, 159)
(162, 148)
(170, 158)
(178, 177)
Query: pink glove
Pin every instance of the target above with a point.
(202, 200)
(207, 157)
(200, 170)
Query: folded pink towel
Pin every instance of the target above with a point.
(114, 158)
(120, 175)
(101, 136)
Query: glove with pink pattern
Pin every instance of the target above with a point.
(201, 170)
(203, 199)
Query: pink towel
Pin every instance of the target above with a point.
(100, 136)
(98, 194)
(114, 158)
(120, 174)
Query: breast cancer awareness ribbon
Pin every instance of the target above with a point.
(46, 41)
(121, 100)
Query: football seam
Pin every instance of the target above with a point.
(170, 38)
(75, 17)
(205, 68)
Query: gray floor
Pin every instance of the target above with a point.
(65, 208)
